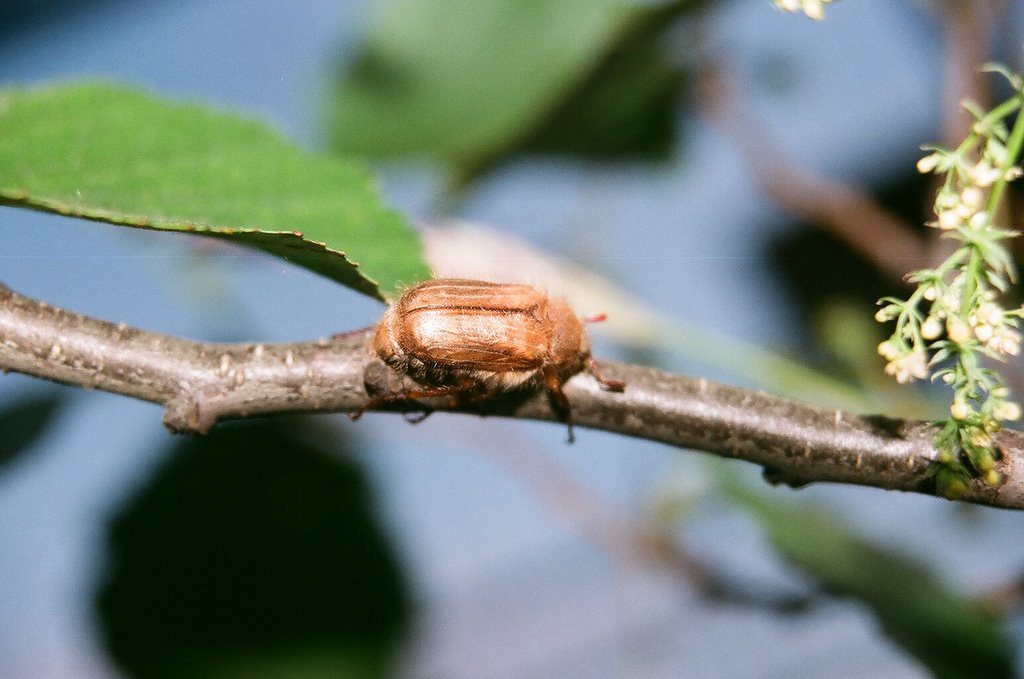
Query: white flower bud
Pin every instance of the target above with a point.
(946, 200)
(960, 410)
(887, 313)
(983, 332)
(1006, 341)
(983, 174)
(979, 220)
(909, 367)
(928, 164)
(963, 211)
(957, 330)
(972, 197)
(991, 313)
(931, 328)
(815, 9)
(949, 219)
(1007, 410)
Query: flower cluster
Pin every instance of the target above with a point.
(815, 9)
(953, 321)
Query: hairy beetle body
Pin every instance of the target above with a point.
(501, 336)
(464, 335)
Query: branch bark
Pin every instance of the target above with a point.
(202, 383)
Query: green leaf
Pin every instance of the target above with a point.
(952, 635)
(117, 155)
(470, 81)
(625, 110)
(254, 551)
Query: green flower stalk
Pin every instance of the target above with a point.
(953, 320)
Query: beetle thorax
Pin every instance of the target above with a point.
(569, 345)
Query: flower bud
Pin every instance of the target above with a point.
(931, 328)
(983, 174)
(949, 219)
(946, 200)
(814, 9)
(949, 484)
(979, 220)
(928, 164)
(957, 330)
(1007, 411)
(991, 313)
(980, 438)
(972, 197)
(960, 410)
(888, 350)
(985, 462)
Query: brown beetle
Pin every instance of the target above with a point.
(478, 339)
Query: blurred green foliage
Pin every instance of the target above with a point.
(25, 421)
(253, 552)
(949, 633)
(471, 83)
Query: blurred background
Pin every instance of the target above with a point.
(733, 185)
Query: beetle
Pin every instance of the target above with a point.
(476, 339)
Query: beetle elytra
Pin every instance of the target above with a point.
(466, 338)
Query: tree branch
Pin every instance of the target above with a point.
(201, 383)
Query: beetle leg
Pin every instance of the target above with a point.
(416, 418)
(451, 390)
(554, 384)
(431, 392)
(611, 385)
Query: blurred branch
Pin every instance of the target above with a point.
(966, 46)
(201, 383)
(846, 211)
(629, 538)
